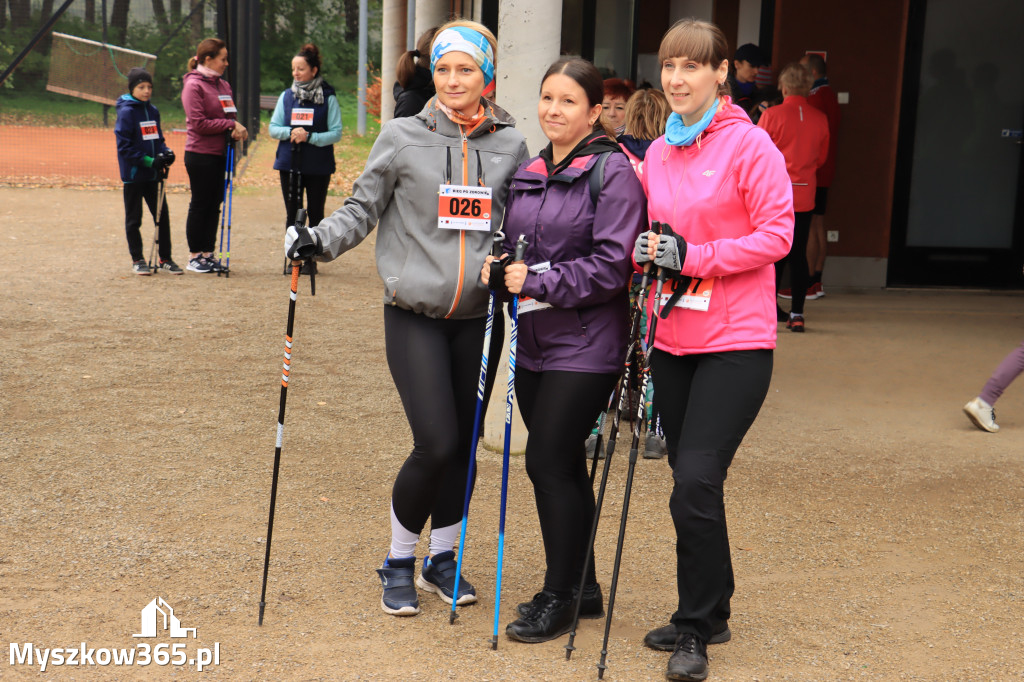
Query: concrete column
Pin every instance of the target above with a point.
(392, 45)
(529, 37)
(430, 13)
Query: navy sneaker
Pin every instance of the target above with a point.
(198, 264)
(399, 598)
(438, 576)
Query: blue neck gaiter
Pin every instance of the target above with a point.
(681, 135)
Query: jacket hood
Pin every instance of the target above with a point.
(192, 75)
(438, 122)
(127, 101)
(636, 147)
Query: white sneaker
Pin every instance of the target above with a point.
(982, 414)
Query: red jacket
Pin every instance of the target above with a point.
(801, 133)
(823, 98)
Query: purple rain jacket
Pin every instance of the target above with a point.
(589, 249)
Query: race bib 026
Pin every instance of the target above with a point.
(464, 207)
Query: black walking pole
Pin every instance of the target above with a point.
(617, 398)
(294, 189)
(161, 188)
(300, 220)
(633, 449)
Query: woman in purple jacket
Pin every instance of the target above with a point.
(573, 323)
(209, 119)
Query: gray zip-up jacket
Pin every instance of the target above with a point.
(425, 269)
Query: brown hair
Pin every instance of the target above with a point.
(646, 113)
(587, 77)
(796, 79)
(815, 62)
(210, 47)
(311, 53)
(408, 62)
(466, 23)
(616, 87)
(701, 41)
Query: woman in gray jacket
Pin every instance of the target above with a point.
(458, 153)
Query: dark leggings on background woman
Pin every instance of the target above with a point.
(435, 364)
(706, 402)
(206, 180)
(315, 189)
(799, 274)
(559, 410)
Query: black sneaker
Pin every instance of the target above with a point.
(141, 267)
(199, 264)
(592, 606)
(689, 661)
(664, 638)
(438, 576)
(169, 266)
(549, 618)
(399, 598)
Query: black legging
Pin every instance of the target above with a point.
(706, 402)
(134, 193)
(799, 277)
(206, 180)
(435, 364)
(315, 187)
(559, 410)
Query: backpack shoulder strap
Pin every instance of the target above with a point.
(597, 176)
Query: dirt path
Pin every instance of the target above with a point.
(876, 534)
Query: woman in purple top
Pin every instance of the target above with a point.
(209, 120)
(573, 322)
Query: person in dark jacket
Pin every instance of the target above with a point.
(143, 156)
(415, 84)
(307, 121)
(573, 323)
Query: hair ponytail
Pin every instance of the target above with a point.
(210, 47)
(311, 53)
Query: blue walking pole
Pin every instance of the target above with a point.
(480, 389)
(513, 337)
(229, 187)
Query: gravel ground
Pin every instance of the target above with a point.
(876, 534)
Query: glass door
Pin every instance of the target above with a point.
(957, 210)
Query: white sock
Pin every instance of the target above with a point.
(443, 539)
(403, 542)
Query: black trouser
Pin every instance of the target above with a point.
(315, 187)
(799, 277)
(435, 364)
(707, 402)
(134, 193)
(206, 180)
(559, 409)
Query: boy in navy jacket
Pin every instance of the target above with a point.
(144, 159)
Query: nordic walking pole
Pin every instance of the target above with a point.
(481, 384)
(294, 187)
(300, 220)
(633, 449)
(229, 190)
(617, 399)
(156, 218)
(513, 313)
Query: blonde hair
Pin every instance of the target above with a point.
(646, 113)
(478, 27)
(701, 41)
(796, 79)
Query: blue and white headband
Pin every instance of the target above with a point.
(462, 39)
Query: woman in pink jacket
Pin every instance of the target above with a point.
(209, 121)
(721, 185)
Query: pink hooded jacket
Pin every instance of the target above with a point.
(729, 196)
(205, 118)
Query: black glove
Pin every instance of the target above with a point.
(163, 161)
(496, 280)
(301, 243)
(671, 252)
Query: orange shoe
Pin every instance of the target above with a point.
(796, 323)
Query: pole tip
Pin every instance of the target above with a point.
(452, 617)
(494, 643)
(263, 605)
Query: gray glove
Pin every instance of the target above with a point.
(640, 249)
(301, 243)
(671, 252)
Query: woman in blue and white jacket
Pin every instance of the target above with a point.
(307, 121)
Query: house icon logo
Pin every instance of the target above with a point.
(151, 620)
